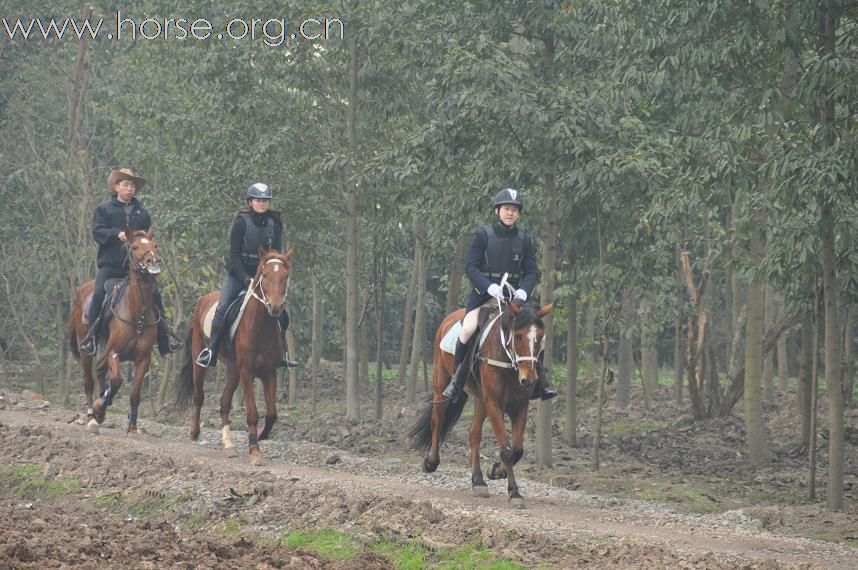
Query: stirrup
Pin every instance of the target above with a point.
(547, 393)
(204, 358)
(88, 346)
(451, 392)
(286, 363)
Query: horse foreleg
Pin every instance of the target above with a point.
(475, 436)
(252, 416)
(232, 379)
(110, 362)
(518, 421)
(141, 365)
(270, 388)
(507, 453)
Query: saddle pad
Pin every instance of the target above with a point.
(233, 314)
(448, 343)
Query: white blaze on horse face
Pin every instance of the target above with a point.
(144, 240)
(531, 339)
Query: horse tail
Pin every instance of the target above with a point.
(185, 385)
(421, 433)
(71, 332)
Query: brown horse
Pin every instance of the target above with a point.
(507, 376)
(130, 335)
(256, 352)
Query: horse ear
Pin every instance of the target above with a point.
(514, 308)
(288, 255)
(150, 232)
(262, 251)
(545, 310)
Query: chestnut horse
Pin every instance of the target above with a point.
(256, 352)
(129, 336)
(505, 383)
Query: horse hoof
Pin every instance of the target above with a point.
(132, 431)
(256, 459)
(481, 491)
(493, 473)
(230, 451)
(92, 426)
(428, 466)
(516, 503)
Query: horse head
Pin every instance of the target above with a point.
(527, 340)
(143, 252)
(272, 279)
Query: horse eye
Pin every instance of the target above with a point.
(134, 247)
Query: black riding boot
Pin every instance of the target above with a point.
(167, 343)
(89, 344)
(285, 362)
(460, 374)
(208, 356)
(544, 390)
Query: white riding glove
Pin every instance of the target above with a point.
(521, 295)
(495, 291)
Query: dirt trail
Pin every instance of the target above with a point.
(559, 528)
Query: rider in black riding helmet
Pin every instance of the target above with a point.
(109, 222)
(498, 248)
(255, 226)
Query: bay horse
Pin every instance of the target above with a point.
(256, 353)
(504, 385)
(129, 336)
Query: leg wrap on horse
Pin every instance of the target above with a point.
(507, 455)
(251, 439)
(107, 396)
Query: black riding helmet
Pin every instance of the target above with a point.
(508, 196)
(259, 191)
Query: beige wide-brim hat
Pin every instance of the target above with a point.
(124, 174)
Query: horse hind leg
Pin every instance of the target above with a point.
(232, 379)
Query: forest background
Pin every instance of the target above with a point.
(687, 168)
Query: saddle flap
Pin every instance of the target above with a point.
(231, 319)
(113, 289)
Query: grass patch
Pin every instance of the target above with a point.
(413, 555)
(328, 543)
(653, 494)
(62, 488)
(620, 429)
(231, 527)
(108, 501)
(29, 482)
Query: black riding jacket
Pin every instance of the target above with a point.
(249, 231)
(108, 220)
(497, 249)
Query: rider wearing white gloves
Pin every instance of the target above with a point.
(498, 248)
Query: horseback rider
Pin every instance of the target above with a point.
(498, 248)
(109, 222)
(255, 226)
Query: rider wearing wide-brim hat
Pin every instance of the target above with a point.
(111, 219)
(497, 249)
(255, 226)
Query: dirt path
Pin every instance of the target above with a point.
(380, 499)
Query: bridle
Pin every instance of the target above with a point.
(257, 284)
(507, 343)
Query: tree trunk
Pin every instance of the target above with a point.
(626, 364)
(571, 432)
(419, 319)
(316, 349)
(457, 270)
(408, 318)
(352, 245)
(758, 445)
(783, 357)
(770, 319)
(805, 370)
(678, 340)
(379, 336)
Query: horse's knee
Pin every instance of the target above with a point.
(508, 456)
(516, 455)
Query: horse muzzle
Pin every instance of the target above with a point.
(275, 311)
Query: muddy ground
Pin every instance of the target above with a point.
(669, 493)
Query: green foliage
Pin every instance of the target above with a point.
(328, 543)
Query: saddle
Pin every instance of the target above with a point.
(114, 289)
(487, 315)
